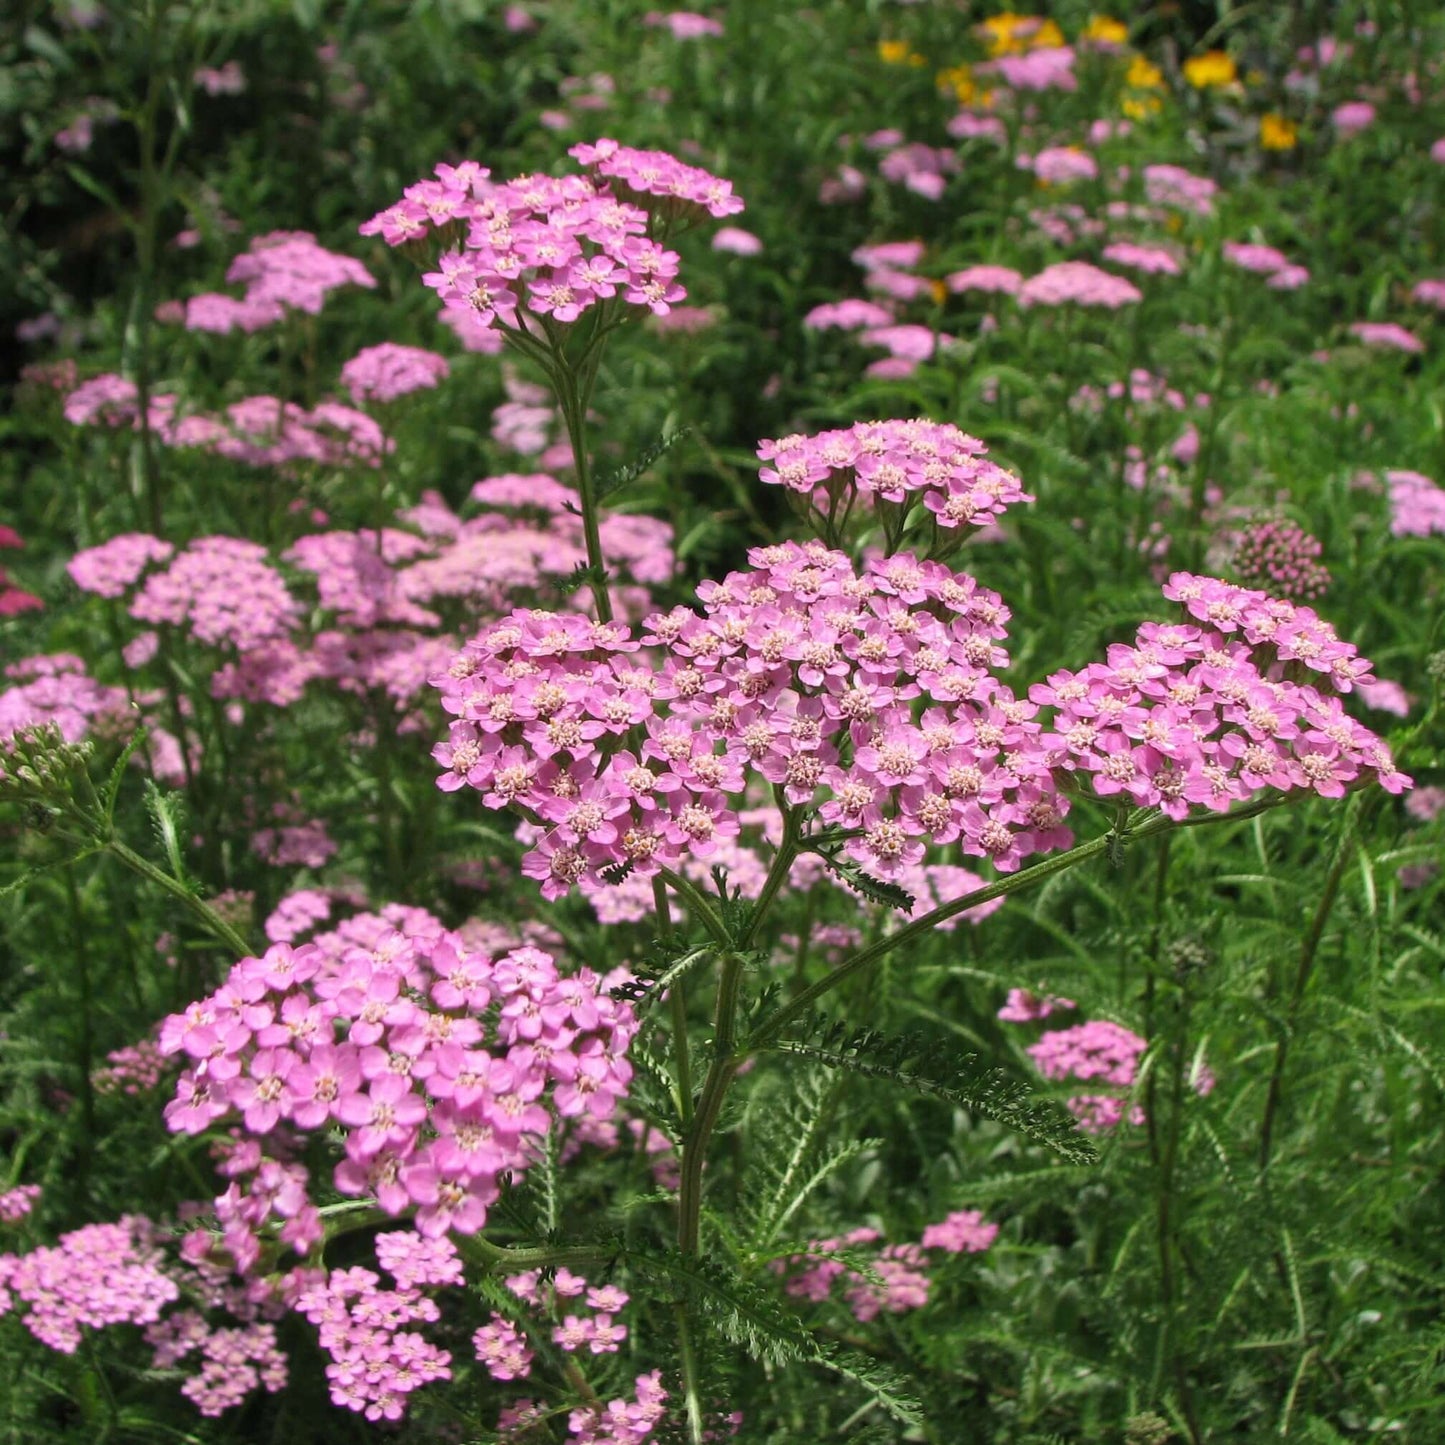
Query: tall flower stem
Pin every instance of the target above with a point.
(1304, 966)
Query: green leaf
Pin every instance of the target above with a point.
(935, 1067)
(624, 476)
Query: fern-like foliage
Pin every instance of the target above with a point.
(752, 1317)
(934, 1066)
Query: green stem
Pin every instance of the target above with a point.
(709, 1105)
(1309, 949)
(574, 396)
(700, 904)
(777, 874)
(199, 908)
(677, 1004)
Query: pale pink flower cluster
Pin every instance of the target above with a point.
(439, 1067)
(683, 24)
(1266, 261)
(1024, 1006)
(922, 169)
(228, 79)
(297, 913)
(135, 1069)
(16, 1203)
(113, 567)
(1060, 165)
(215, 312)
(103, 1274)
(544, 247)
(1049, 67)
(965, 1231)
(1417, 505)
(895, 462)
(1388, 335)
(802, 672)
(1352, 118)
(1151, 260)
(1429, 292)
(1077, 283)
(294, 845)
(999, 279)
(1169, 185)
(852, 314)
(385, 372)
(1203, 716)
(291, 268)
(56, 689)
(222, 590)
(257, 431)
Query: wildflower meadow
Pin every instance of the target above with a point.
(722, 725)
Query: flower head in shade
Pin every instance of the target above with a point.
(1417, 505)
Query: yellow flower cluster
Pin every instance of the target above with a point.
(1011, 34)
(899, 52)
(1142, 79)
(1212, 69)
(1277, 132)
(1105, 30)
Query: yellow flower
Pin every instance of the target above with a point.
(1011, 34)
(1213, 68)
(893, 52)
(1144, 76)
(1106, 29)
(1277, 132)
(938, 291)
(999, 32)
(958, 81)
(1141, 107)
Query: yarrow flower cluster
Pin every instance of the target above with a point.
(384, 373)
(1208, 715)
(547, 247)
(440, 1067)
(894, 462)
(804, 673)
(901, 1281)
(1417, 504)
(16, 1203)
(1079, 283)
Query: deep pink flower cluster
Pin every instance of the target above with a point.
(1097, 1050)
(16, 1203)
(556, 247)
(1281, 558)
(290, 268)
(384, 373)
(439, 1066)
(1417, 505)
(103, 1274)
(294, 845)
(13, 601)
(1206, 715)
(895, 462)
(1077, 283)
(803, 672)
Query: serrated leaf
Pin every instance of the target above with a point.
(624, 476)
